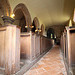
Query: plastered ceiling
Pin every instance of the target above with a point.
(49, 12)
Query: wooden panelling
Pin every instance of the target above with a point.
(2, 48)
(10, 49)
(25, 46)
(45, 44)
(68, 47)
(37, 45)
(33, 45)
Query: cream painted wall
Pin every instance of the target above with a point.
(14, 3)
(46, 10)
(49, 12)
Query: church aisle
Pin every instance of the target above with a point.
(50, 64)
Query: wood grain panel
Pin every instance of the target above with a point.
(2, 48)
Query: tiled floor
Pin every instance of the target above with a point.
(50, 64)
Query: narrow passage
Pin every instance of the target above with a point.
(50, 64)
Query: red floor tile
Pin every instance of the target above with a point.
(50, 64)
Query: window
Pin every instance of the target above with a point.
(51, 36)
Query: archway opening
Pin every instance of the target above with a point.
(20, 20)
(42, 29)
(33, 30)
(24, 15)
(35, 24)
(50, 33)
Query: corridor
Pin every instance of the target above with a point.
(50, 64)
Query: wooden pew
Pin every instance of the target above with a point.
(46, 44)
(69, 49)
(70, 38)
(33, 45)
(63, 44)
(25, 45)
(30, 46)
(10, 49)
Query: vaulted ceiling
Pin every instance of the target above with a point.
(49, 12)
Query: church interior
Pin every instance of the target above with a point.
(37, 37)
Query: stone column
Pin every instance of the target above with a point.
(7, 20)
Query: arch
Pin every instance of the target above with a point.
(20, 20)
(36, 22)
(42, 29)
(25, 11)
(50, 33)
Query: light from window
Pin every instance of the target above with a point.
(51, 36)
(70, 23)
(74, 15)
